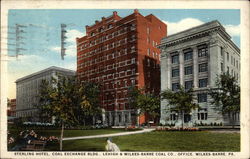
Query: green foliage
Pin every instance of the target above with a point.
(226, 97)
(68, 100)
(181, 101)
(146, 102)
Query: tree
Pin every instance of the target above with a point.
(92, 93)
(65, 99)
(226, 95)
(181, 101)
(145, 102)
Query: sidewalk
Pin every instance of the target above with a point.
(108, 135)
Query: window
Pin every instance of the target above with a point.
(132, 82)
(237, 63)
(133, 49)
(202, 82)
(173, 117)
(221, 52)
(175, 59)
(203, 67)
(188, 70)
(148, 62)
(133, 61)
(110, 26)
(227, 69)
(202, 97)
(231, 60)
(188, 55)
(222, 67)
(188, 85)
(227, 56)
(202, 51)
(133, 72)
(202, 116)
(148, 30)
(92, 34)
(175, 72)
(175, 86)
(148, 51)
(101, 29)
(132, 27)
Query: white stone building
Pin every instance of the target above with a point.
(194, 58)
(27, 91)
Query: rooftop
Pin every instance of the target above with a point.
(197, 30)
(55, 68)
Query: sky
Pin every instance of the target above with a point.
(42, 33)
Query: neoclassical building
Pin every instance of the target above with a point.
(194, 58)
(27, 91)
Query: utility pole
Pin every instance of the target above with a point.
(19, 31)
(15, 40)
(63, 37)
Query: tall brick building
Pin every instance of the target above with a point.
(119, 53)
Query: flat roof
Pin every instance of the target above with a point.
(46, 70)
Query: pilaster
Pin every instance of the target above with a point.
(195, 67)
(181, 66)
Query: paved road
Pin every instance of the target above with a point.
(109, 135)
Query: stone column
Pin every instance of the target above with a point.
(116, 118)
(213, 62)
(181, 66)
(123, 118)
(165, 82)
(165, 71)
(169, 70)
(103, 117)
(129, 117)
(195, 67)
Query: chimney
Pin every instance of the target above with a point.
(115, 13)
(136, 11)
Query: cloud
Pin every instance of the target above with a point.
(70, 50)
(70, 43)
(187, 23)
(233, 30)
(72, 35)
(183, 24)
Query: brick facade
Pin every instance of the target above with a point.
(119, 53)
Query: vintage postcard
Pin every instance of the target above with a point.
(124, 79)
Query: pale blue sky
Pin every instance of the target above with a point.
(42, 37)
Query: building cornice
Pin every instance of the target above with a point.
(52, 68)
(197, 32)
